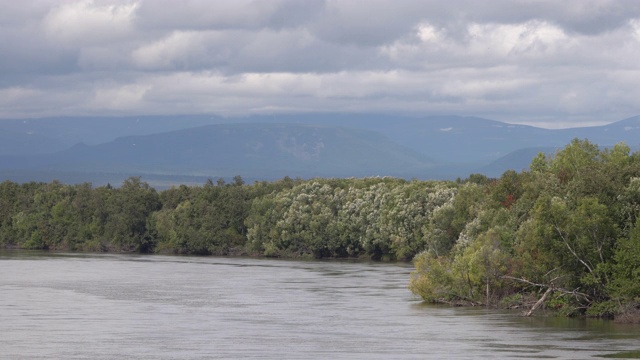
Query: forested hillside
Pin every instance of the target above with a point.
(566, 231)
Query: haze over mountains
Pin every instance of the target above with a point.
(188, 149)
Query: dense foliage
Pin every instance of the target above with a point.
(568, 228)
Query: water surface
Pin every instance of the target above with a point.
(79, 306)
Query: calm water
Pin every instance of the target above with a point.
(69, 306)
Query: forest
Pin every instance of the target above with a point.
(564, 234)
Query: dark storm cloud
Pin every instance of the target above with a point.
(546, 62)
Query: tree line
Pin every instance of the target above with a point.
(380, 218)
(566, 231)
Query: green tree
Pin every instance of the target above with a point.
(128, 211)
(625, 284)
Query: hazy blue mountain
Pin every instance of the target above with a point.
(272, 146)
(472, 140)
(271, 150)
(23, 143)
(627, 130)
(449, 139)
(96, 130)
(463, 140)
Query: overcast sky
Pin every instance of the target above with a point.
(545, 63)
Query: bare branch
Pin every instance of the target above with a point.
(539, 302)
(566, 242)
(550, 271)
(550, 289)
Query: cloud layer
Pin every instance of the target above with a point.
(546, 63)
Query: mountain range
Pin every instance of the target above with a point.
(166, 150)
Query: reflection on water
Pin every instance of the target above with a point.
(80, 306)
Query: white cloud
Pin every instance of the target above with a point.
(85, 22)
(533, 38)
(480, 45)
(635, 27)
(171, 52)
(428, 33)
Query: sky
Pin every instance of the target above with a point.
(544, 63)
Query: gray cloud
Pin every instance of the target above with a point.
(538, 62)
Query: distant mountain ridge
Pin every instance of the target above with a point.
(270, 150)
(269, 147)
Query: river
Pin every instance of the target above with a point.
(87, 306)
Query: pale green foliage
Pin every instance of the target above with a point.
(473, 275)
(329, 218)
(481, 266)
(432, 279)
(437, 231)
(618, 156)
(308, 224)
(409, 209)
(575, 160)
(359, 218)
(628, 204)
(539, 164)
